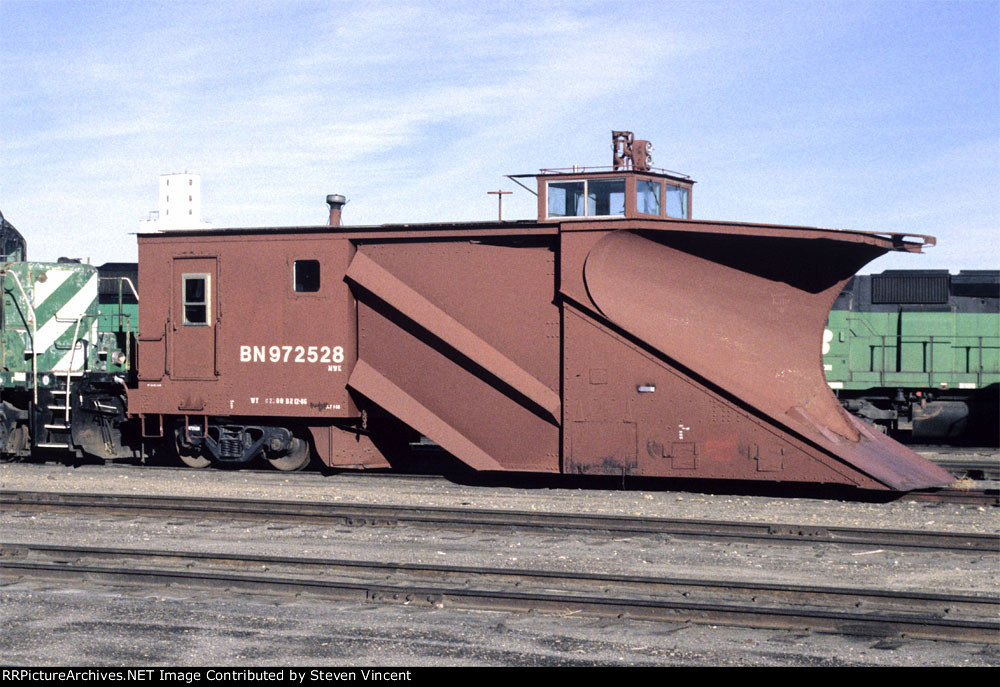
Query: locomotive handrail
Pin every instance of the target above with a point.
(979, 372)
(121, 312)
(970, 343)
(34, 332)
(120, 280)
(858, 318)
(69, 370)
(881, 370)
(73, 320)
(930, 362)
(131, 286)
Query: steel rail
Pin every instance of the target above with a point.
(479, 519)
(958, 496)
(989, 469)
(965, 497)
(964, 605)
(917, 616)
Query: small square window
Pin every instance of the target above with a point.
(306, 276)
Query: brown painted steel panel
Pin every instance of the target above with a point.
(602, 447)
(755, 335)
(384, 286)
(744, 314)
(474, 366)
(501, 291)
(679, 427)
(268, 351)
(339, 448)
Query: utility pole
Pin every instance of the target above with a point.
(499, 195)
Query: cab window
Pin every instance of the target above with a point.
(647, 197)
(586, 198)
(605, 197)
(677, 201)
(566, 199)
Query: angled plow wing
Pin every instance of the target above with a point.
(743, 315)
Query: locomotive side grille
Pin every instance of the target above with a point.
(910, 288)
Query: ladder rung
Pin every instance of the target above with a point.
(63, 427)
(52, 445)
(57, 407)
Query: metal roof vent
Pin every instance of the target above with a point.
(336, 203)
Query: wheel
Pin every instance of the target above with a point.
(296, 459)
(189, 457)
(197, 462)
(15, 442)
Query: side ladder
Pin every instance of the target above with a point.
(56, 415)
(53, 424)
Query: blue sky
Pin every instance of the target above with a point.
(881, 116)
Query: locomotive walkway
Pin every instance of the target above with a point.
(852, 611)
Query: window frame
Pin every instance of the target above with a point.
(659, 196)
(586, 197)
(319, 276)
(686, 205)
(207, 304)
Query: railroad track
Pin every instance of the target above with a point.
(853, 611)
(961, 468)
(965, 497)
(981, 470)
(463, 519)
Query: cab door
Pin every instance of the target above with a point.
(195, 314)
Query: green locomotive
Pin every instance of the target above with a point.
(67, 356)
(918, 352)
